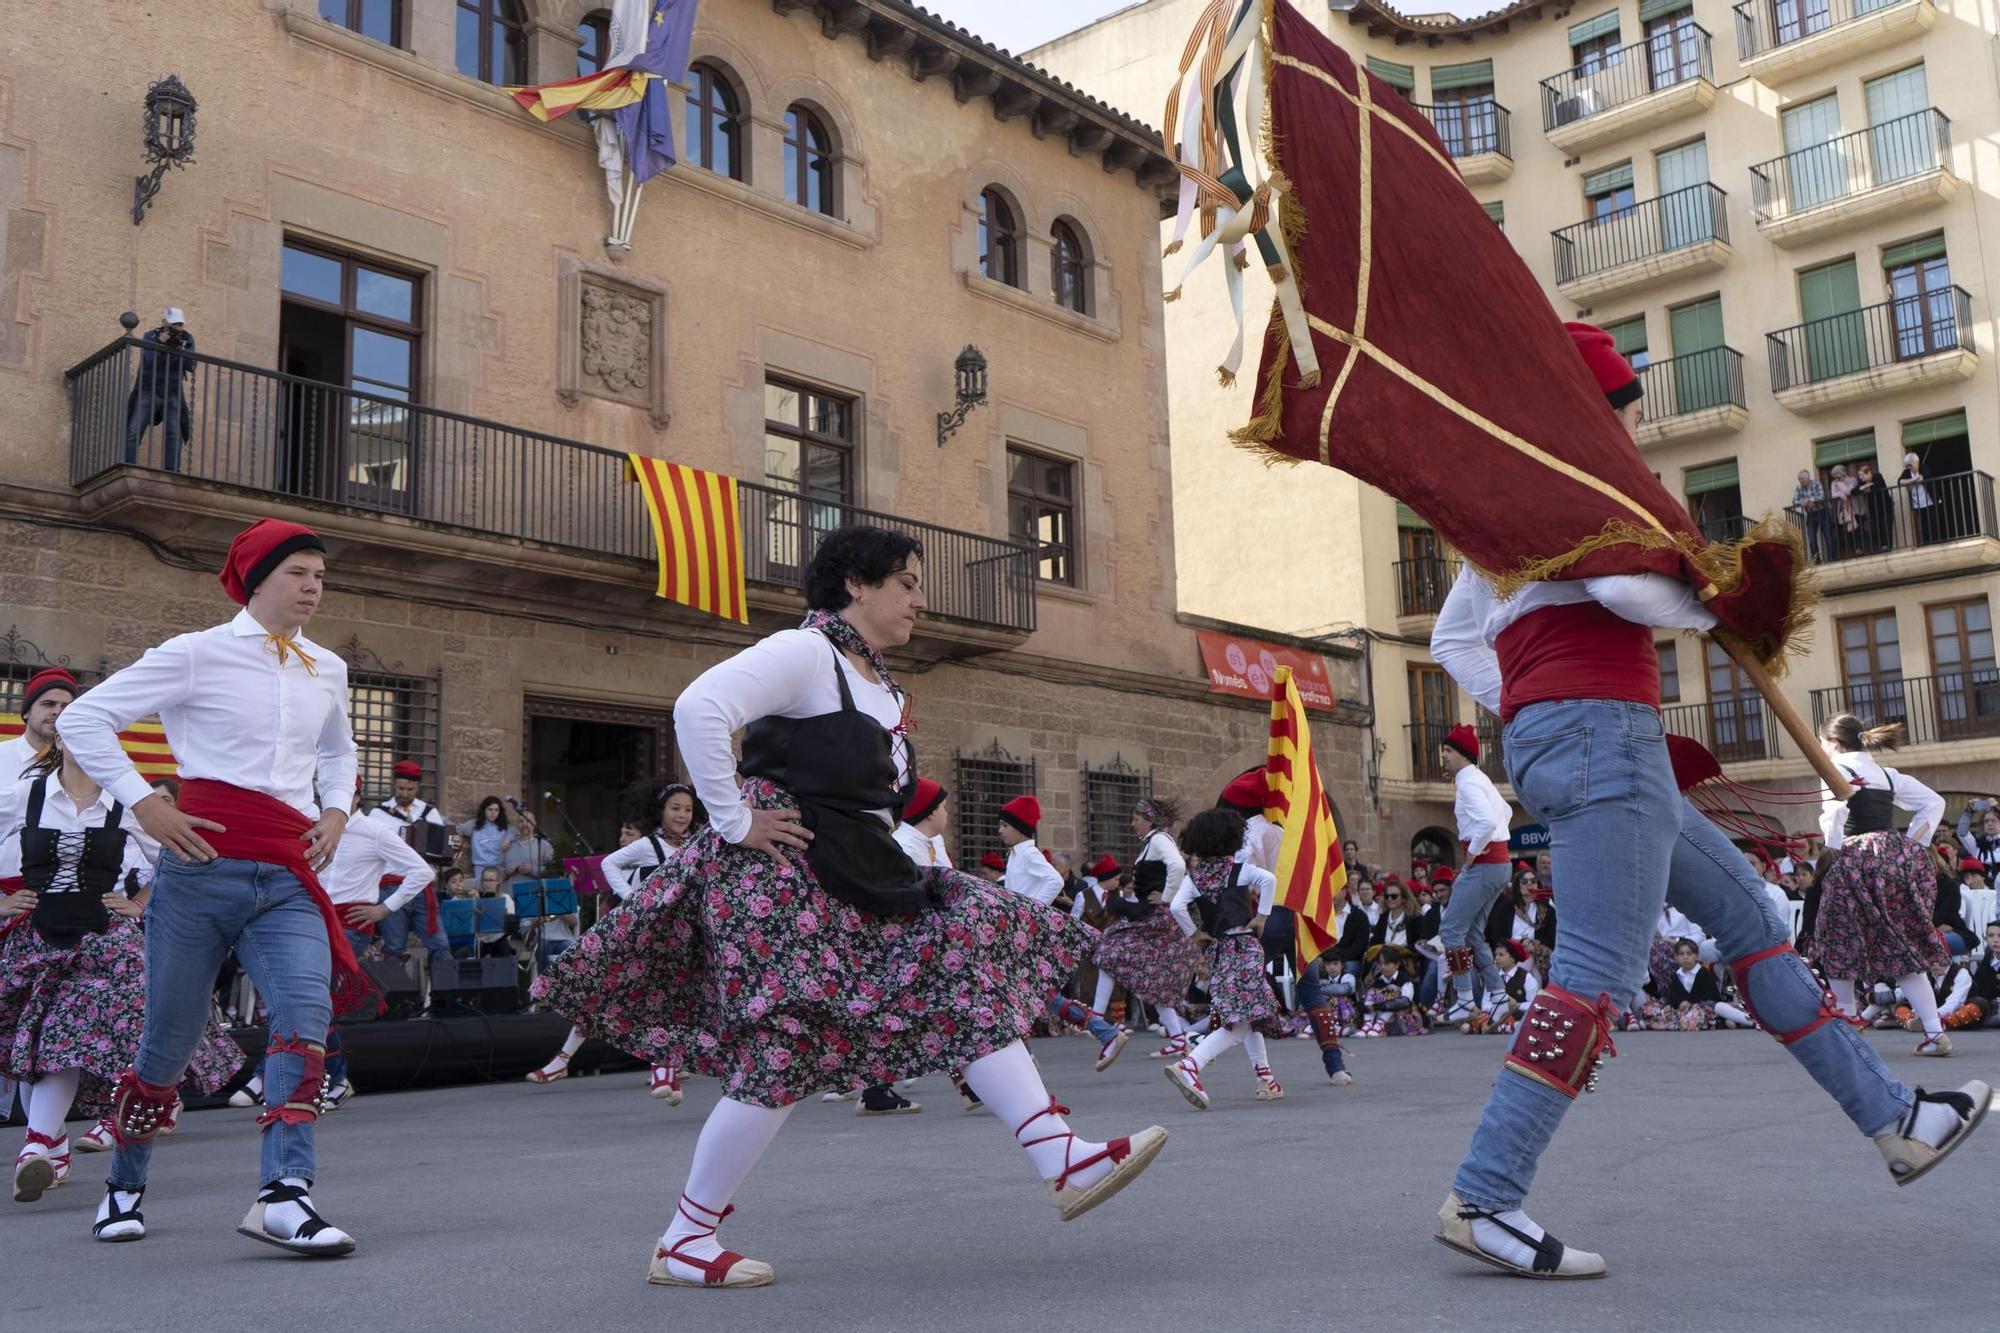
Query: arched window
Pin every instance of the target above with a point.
(379, 19)
(714, 130)
(808, 161)
(1071, 268)
(999, 239)
(593, 42)
(492, 41)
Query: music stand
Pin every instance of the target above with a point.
(473, 917)
(537, 900)
(586, 874)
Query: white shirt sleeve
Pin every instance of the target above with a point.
(1652, 600)
(1178, 906)
(90, 726)
(399, 858)
(1961, 986)
(1458, 640)
(1926, 807)
(336, 765)
(1473, 813)
(763, 680)
(1832, 819)
(1266, 885)
(1030, 874)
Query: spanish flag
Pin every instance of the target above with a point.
(145, 745)
(698, 534)
(1311, 874)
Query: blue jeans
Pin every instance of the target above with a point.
(396, 928)
(1596, 773)
(1071, 1011)
(198, 913)
(1464, 926)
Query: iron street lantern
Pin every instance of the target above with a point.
(169, 134)
(970, 374)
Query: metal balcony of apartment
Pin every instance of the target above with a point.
(1479, 134)
(1935, 513)
(423, 476)
(1949, 706)
(1643, 244)
(1692, 396)
(1784, 39)
(1898, 167)
(1422, 584)
(1662, 78)
(1736, 731)
(1906, 343)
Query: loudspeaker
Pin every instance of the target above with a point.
(400, 995)
(476, 985)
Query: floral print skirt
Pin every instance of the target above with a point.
(739, 966)
(1407, 1022)
(1150, 957)
(1238, 991)
(1875, 911)
(84, 1007)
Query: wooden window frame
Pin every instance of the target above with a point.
(804, 158)
(999, 238)
(399, 19)
(1069, 267)
(712, 97)
(597, 23)
(1669, 654)
(1070, 506)
(492, 17)
(807, 438)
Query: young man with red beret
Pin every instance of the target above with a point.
(49, 691)
(401, 911)
(1030, 874)
(1483, 818)
(1571, 670)
(256, 716)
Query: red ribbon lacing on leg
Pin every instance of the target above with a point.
(1116, 1151)
(1829, 1008)
(714, 1272)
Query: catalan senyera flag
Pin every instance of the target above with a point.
(648, 42)
(698, 534)
(1312, 877)
(145, 744)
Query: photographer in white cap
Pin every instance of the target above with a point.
(157, 394)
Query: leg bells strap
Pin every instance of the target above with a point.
(138, 1109)
(1458, 962)
(1561, 1039)
(1829, 1010)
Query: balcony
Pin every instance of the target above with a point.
(1692, 397)
(1945, 520)
(1908, 343)
(1422, 584)
(1479, 134)
(1650, 242)
(452, 488)
(1784, 39)
(1950, 706)
(1736, 731)
(1666, 77)
(1899, 167)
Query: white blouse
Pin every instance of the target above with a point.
(60, 813)
(1160, 846)
(627, 869)
(1926, 807)
(1260, 881)
(790, 675)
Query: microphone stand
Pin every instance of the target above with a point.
(569, 823)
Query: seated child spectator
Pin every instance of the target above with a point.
(1518, 987)
(1389, 1004)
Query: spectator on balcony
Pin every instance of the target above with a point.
(158, 395)
(1876, 509)
(1809, 499)
(1846, 510)
(1922, 507)
(1979, 834)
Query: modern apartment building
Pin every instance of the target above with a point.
(1781, 209)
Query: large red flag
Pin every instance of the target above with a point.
(1411, 347)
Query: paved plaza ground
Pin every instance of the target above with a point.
(1723, 1190)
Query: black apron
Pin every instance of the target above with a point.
(1871, 810)
(841, 768)
(70, 903)
(1228, 908)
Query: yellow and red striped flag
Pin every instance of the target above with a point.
(698, 534)
(1312, 877)
(145, 744)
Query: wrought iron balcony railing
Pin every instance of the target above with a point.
(1473, 127)
(1736, 730)
(1949, 706)
(1422, 583)
(1641, 230)
(1850, 165)
(257, 430)
(1627, 73)
(1766, 25)
(1898, 517)
(1855, 341)
(1692, 382)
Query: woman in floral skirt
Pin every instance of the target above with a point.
(793, 947)
(1876, 899)
(73, 965)
(1145, 951)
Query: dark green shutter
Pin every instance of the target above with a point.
(1605, 24)
(1406, 517)
(1914, 252)
(1845, 449)
(1608, 180)
(1472, 74)
(1948, 427)
(1713, 477)
(1628, 336)
(1403, 77)
(1659, 9)
(1497, 210)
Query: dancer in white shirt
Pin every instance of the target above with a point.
(410, 914)
(1030, 874)
(1234, 899)
(795, 946)
(1483, 819)
(262, 806)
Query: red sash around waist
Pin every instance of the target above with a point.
(1494, 855)
(264, 829)
(1579, 650)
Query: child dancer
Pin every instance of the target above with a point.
(1516, 991)
(1390, 1002)
(1145, 951)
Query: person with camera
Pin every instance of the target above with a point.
(159, 395)
(1979, 833)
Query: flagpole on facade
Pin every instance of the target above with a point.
(1788, 716)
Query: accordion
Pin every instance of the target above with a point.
(428, 840)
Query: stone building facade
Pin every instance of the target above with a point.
(412, 335)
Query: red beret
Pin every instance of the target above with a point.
(1247, 790)
(1520, 948)
(924, 801)
(52, 678)
(993, 861)
(409, 768)
(1971, 865)
(1106, 868)
(1612, 371)
(1442, 875)
(1024, 813)
(257, 551)
(1464, 740)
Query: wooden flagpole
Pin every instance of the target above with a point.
(1788, 716)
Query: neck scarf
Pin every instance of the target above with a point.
(846, 637)
(285, 646)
